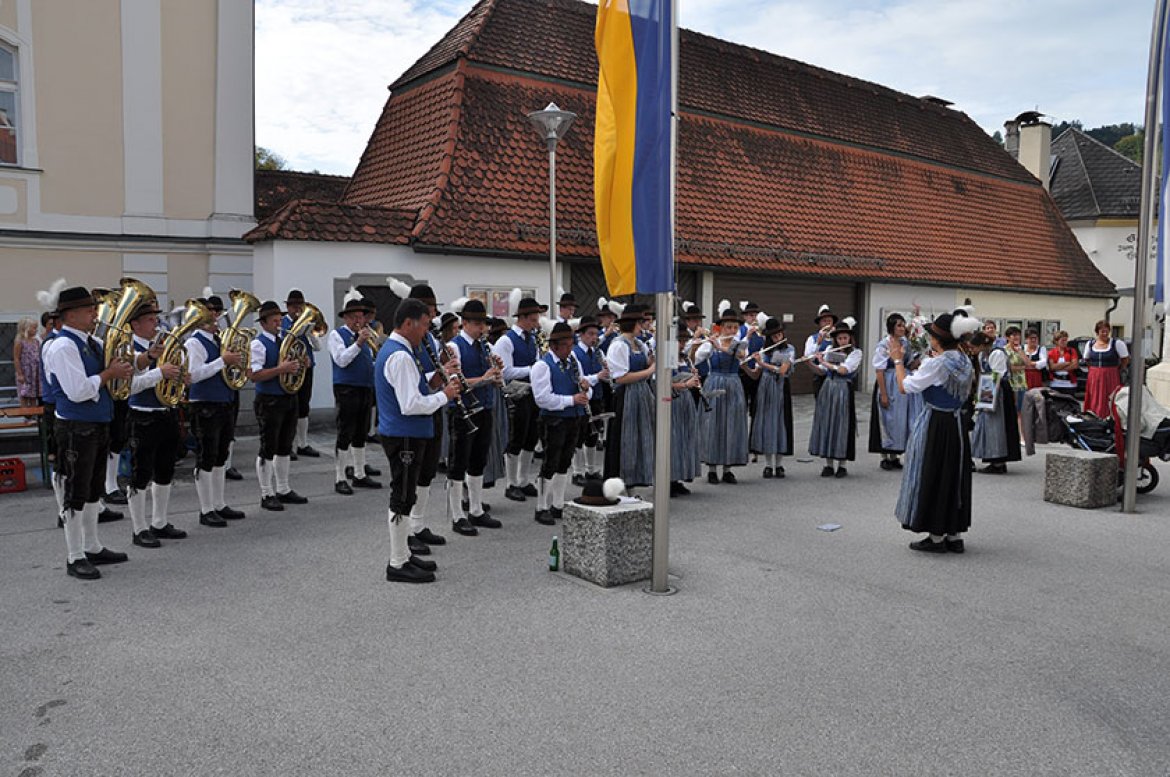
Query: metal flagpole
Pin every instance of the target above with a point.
(664, 338)
(552, 224)
(1137, 364)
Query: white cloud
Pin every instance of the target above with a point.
(322, 66)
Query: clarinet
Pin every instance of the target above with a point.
(695, 371)
(576, 376)
(464, 410)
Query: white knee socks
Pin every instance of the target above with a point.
(418, 513)
(74, 543)
(264, 477)
(524, 474)
(217, 478)
(89, 528)
(59, 491)
(203, 488)
(137, 504)
(231, 449)
(544, 493)
(454, 501)
(475, 494)
(281, 464)
(339, 463)
(359, 461)
(111, 472)
(161, 498)
(512, 468)
(560, 482)
(579, 466)
(399, 547)
(302, 437)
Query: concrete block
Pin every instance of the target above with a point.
(610, 545)
(1080, 478)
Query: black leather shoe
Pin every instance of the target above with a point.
(231, 473)
(293, 456)
(578, 480)
(487, 508)
(556, 513)
(885, 464)
(729, 477)
(146, 539)
(230, 513)
(115, 498)
(372, 472)
(168, 532)
(82, 570)
(464, 527)
(779, 472)
(366, 483)
(484, 521)
(895, 464)
(408, 573)
(995, 469)
(545, 517)
(291, 497)
(429, 537)
(954, 546)
(309, 451)
(713, 478)
(423, 564)
(515, 493)
(271, 503)
(529, 490)
(767, 473)
(105, 556)
(841, 472)
(678, 489)
(827, 471)
(343, 487)
(927, 545)
(109, 516)
(212, 519)
(372, 438)
(417, 546)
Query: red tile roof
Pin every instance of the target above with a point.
(274, 188)
(306, 220)
(782, 167)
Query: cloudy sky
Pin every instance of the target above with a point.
(322, 66)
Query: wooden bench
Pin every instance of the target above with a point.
(26, 418)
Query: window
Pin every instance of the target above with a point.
(8, 100)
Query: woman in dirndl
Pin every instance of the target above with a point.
(685, 465)
(1036, 366)
(996, 438)
(724, 430)
(629, 446)
(936, 486)
(494, 469)
(771, 432)
(1106, 357)
(892, 412)
(834, 428)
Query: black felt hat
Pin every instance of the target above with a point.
(474, 310)
(215, 303)
(842, 327)
(560, 331)
(596, 493)
(587, 322)
(567, 300)
(730, 314)
(269, 308)
(529, 305)
(633, 312)
(497, 326)
(691, 310)
(295, 295)
(825, 311)
(447, 319)
(145, 308)
(424, 293)
(355, 306)
(76, 297)
(772, 327)
(750, 307)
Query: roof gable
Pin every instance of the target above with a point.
(1092, 181)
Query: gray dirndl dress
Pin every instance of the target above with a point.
(635, 408)
(684, 434)
(770, 433)
(834, 428)
(725, 429)
(494, 468)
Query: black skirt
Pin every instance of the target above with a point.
(941, 477)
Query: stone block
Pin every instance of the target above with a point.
(1081, 478)
(610, 545)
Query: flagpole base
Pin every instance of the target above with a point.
(670, 591)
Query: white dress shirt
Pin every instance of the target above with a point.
(402, 373)
(998, 362)
(197, 365)
(258, 352)
(542, 390)
(145, 378)
(707, 350)
(342, 354)
(932, 372)
(63, 359)
(503, 349)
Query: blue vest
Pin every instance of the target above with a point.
(213, 388)
(721, 362)
(606, 341)
(564, 384)
(98, 410)
(360, 371)
(48, 393)
(590, 365)
(424, 356)
(270, 387)
(937, 396)
(474, 363)
(391, 421)
(147, 398)
(523, 354)
(287, 322)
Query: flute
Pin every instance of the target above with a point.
(762, 351)
(821, 353)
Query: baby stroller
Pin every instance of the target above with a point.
(1086, 431)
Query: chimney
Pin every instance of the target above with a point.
(1029, 140)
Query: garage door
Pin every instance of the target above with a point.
(587, 283)
(780, 296)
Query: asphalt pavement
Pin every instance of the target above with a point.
(276, 647)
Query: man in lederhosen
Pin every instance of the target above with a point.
(587, 458)
(52, 326)
(295, 305)
(517, 351)
(211, 407)
(153, 433)
(352, 355)
(562, 394)
(84, 410)
(406, 411)
(276, 411)
(471, 440)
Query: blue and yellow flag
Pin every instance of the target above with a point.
(632, 145)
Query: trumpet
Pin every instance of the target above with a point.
(374, 340)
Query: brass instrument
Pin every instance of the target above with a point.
(237, 338)
(292, 347)
(114, 311)
(196, 316)
(374, 340)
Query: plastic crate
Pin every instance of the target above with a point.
(12, 476)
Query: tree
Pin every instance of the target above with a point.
(1132, 146)
(268, 160)
(997, 136)
(1111, 133)
(1064, 125)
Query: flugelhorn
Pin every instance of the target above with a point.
(237, 338)
(196, 315)
(293, 347)
(115, 310)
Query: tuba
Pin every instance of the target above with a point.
(236, 338)
(195, 316)
(114, 311)
(293, 347)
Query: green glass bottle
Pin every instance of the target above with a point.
(554, 556)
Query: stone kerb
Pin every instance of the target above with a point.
(610, 545)
(1080, 478)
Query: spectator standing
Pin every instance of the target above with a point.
(1063, 362)
(26, 357)
(1106, 357)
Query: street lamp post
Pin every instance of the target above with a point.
(552, 123)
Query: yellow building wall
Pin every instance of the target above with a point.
(8, 16)
(13, 200)
(79, 107)
(1076, 314)
(186, 276)
(30, 270)
(188, 104)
